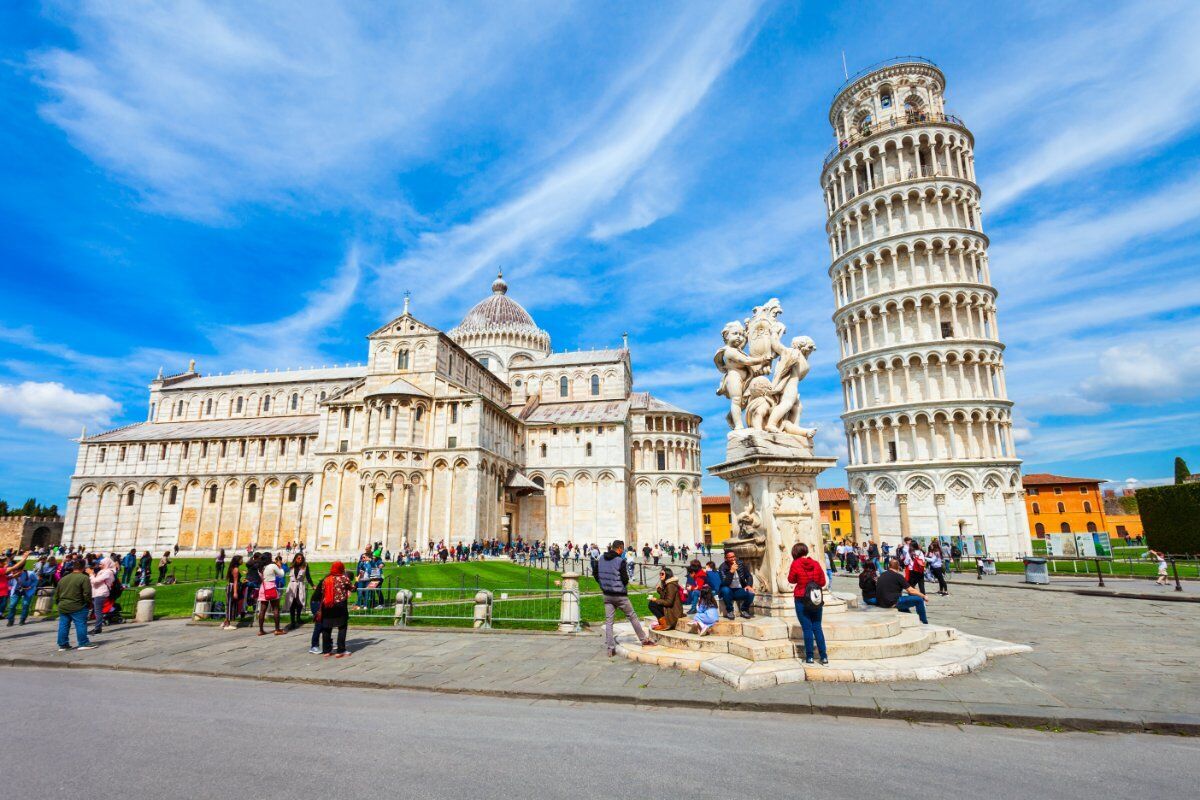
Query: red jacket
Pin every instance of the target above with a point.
(804, 570)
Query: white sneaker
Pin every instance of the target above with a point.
(316, 651)
(86, 647)
(63, 649)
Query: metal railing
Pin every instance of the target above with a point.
(897, 121)
(887, 62)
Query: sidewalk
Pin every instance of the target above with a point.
(1094, 666)
(1127, 588)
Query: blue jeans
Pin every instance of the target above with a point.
(693, 597)
(911, 601)
(810, 622)
(25, 601)
(98, 610)
(744, 597)
(79, 620)
(3, 604)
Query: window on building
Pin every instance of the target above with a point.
(295, 401)
(564, 386)
(836, 515)
(204, 450)
(162, 453)
(302, 443)
(344, 446)
(121, 454)
(224, 448)
(1083, 490)
(212, 495)
(387, 412)
(100, 457)
(1058, 490)
(517, 383)
(129, 497)
(152, 407)
(595, 386)
(291, 492)
(184, 450)
(208, 406)
(544, 449)
(885, 100)
(1037, 509)
(453, 413)
(240, 400)
(267, 402)
(707, 519)
(662, 460)
(1091, 526)
(142, 453)
(891, 447)
(1039, 529)
(484, 362)
(587, 450)
(401, 359)
(1087, 507)
(420, 412)
(262, 447)
(172, 495)
(322, 397)
(1062, 509)
(1121, 531)
(452, 441)
(1064, 528)
(947, 330)
(251, 493)
(345, 418)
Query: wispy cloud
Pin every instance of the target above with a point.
(50, 406)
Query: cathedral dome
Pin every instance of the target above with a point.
(498, 319)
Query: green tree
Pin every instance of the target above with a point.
(3, 508)
(1128, 503)
(30, 508)
(1181, 471)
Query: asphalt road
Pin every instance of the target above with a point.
(79, 733)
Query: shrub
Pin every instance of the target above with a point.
(1171, 517)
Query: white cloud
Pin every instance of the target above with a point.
(202, 107)
(50, 406)
(1144, 375)
(562, 200)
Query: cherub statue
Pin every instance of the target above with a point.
(792, 368)
(760, 400)
(736, 370)
(765, 332)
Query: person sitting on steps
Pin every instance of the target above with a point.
(736, 585)
(893, 591)
(666, 605)
(706, 614)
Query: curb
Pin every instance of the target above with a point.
(952, 713)
(1177, 597)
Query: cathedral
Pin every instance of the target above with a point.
(480, 433)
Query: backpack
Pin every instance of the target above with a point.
(812, 598)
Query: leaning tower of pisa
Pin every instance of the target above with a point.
(927, 416)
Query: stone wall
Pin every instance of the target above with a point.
(21, 533)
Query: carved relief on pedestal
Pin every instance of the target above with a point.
(793, 517)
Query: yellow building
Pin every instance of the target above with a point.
(837, 516)
(716, 522)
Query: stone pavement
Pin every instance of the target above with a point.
(1097, 664)
(1134, 588)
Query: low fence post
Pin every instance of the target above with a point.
(568, 617)
(483, 609)
(44, 604)
(403, 608)
(203, 604)
(1175, 569)
(145, 605)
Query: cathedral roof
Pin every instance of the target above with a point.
(588, 413)
(211, 429)
(497, 313)
(644, 401)
(286, 376)
(575, 358)
(399, 386)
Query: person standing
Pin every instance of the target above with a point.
(656, 554)
(233, 593)
(612, 573)
(144, 565)
(163, 563)
(299, 582)
(335, 591)
(1162, 567)
(24, 591)
(937, 567)
(4, 585)
(219, 566)
(102, 581)
(73, 597)
(268, 594)
(809, 579)
(128, 562)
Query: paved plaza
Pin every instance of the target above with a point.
(1097, 663)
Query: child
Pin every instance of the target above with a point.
(706, 613)
(1162, 567)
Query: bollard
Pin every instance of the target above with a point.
(568, 618)
(203, 604)
(483, 609)
(403, 608)
(145, 606)
(1175, 569)
(44, 605)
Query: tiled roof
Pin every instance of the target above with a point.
(497, 312)
(1046, 479)
(400, 386)
(307, 424)
(834, 495)
(644, 401)
(714, 500)
(577, 413)
(257, 378)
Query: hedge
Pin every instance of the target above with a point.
(1171, 517)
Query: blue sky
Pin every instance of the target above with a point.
(255, 186)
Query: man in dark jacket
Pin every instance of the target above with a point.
(73, 596)
(611, 573)
(736, 583)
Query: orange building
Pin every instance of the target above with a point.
(1058, 504)
(837, 516)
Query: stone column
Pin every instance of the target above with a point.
(875, 537)
(568, 618)
(980, 522)
(939, 500)
(904, 524)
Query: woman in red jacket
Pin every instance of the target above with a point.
(807, 574)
